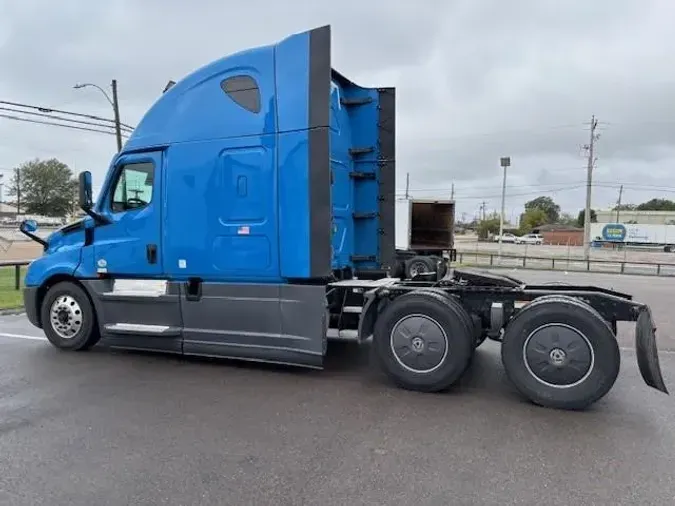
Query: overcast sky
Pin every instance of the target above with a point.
(476, 80)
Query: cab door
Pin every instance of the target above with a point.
(129, 246)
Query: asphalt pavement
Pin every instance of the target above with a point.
(115, 428)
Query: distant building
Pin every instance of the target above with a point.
(561, 234)
(7, 211)
(637, 217)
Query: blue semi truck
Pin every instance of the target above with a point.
(251, 216)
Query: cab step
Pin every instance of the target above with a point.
(141, 329)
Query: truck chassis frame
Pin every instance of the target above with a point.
(574, 328)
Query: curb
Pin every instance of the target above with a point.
(7, 312)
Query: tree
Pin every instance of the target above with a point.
(657, 205)
(582, 216)
(625, 207)
(567, 219)
(546, 204)
(44, 187)
(487, 227)
(532, 218)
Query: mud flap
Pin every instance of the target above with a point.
(647, 353)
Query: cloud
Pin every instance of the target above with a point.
(475, 81)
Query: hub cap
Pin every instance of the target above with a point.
(66, 316)
(419, 343)
(418, 268)
(558, 355)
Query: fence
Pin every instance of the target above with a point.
(609, 266)
(16, 265)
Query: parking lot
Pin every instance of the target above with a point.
(113, 428)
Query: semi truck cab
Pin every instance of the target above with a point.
(245, 188)
(250, 215)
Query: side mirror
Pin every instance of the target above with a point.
(85, 194)
(29, 226)
(86, 200)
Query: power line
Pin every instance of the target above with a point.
(16, 118)
(51, 109)
(490, 187)
(60, 118)
(400, 196)
(603, 184)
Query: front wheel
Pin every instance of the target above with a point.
(68, 317)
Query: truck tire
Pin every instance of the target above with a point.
(68, 317)
(442, 266)
(472, 321)
(419, 265)
(398, 269)
(542, 340)
(423, 341)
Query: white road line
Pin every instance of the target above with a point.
(23, 336)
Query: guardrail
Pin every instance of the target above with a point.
(609, 266)
(17, 264)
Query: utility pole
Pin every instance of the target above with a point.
(482, 211)
(618, 203)
(452, 192)
(116, 107)
(504, 162)
(590, 147)
(407, 185)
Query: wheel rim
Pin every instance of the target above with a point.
(417, 268)
(419, 343)
(66, 316)
(558, 355)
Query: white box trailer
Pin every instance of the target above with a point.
(634, 234)
(424, 235)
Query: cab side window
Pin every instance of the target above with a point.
(133, 187)
(244, 91)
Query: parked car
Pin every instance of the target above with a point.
(506, 238)
(530, 239)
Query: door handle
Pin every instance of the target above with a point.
(151, 253)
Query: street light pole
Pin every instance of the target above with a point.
(504, 162)
(115, 105)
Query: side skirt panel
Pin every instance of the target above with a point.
(283, 324)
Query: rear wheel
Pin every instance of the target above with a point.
(68, 317)
(560, 353)
(423, 341)
(419, 265)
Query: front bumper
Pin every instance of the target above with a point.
(30, 304)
